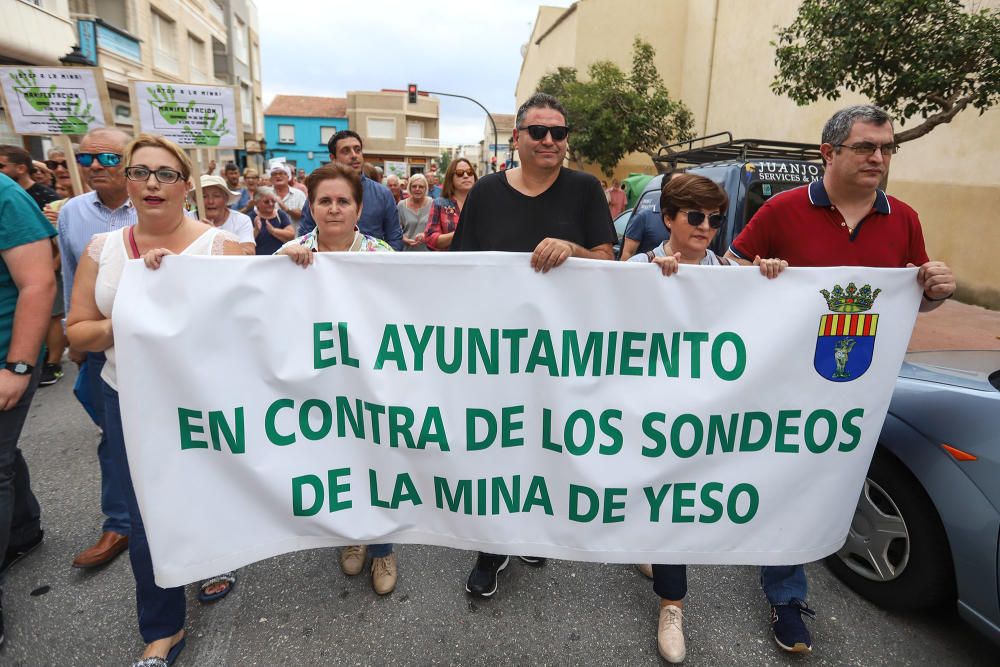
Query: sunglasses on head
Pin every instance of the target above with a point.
(105, 159)
(695, 218)
(464, 172)
(538, 132)
(55, 164)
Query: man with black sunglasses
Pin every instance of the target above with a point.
(842, 220)
(105, 208)
(541, 208)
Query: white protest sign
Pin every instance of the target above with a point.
(599, 412)
(191, 115)
(54, 100)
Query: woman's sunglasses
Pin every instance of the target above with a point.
(105, 159)
(538, 132)
(461, 173)
(55, 164)
(695, 218)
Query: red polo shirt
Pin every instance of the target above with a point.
(804, 228)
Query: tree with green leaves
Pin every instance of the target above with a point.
(926, 59)
(444, 160)
(612, 114)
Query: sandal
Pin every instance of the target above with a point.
(157, 661)
(227, 578)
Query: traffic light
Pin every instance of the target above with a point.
(411, 93)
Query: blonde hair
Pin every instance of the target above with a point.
(421, 177)
(154, 141)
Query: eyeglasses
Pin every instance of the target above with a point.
(55, 164)
(163, 175)
(867, 148)
(3, 165)
(461, 173)
(695, 218)
(538, 132)
(105, 159)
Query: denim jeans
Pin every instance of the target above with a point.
(19, 511)
(161, 610)
(784, 583)
(379, 550)
(670, 581)
(113, 503)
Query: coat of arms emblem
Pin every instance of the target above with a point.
(846, 339)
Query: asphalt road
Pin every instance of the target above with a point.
(299, 609)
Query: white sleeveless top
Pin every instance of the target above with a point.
(110, 251)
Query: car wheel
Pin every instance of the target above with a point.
(896, 554)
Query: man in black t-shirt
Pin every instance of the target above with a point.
(542, 208)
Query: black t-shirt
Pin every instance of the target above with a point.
(498, 217)
(42, 194)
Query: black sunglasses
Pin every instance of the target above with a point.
(55, 164)
(538, 132)
(695, 218)
(105, 159)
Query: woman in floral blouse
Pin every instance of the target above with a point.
(335, 200)
(443, 218)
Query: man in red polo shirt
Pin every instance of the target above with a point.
(843, 220)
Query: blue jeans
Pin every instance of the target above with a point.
(113, 503)
(784, 583)
(161, 610)
(379, 550)
(19, 511)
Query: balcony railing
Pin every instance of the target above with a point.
(420, 142)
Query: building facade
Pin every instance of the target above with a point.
(399, 137)
(718, 58)
(190, 41)
(298, 128)
(504, 140)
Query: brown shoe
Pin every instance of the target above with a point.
(107, 548)
(352, 559)
(384, 574)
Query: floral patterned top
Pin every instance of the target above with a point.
(443, 219)
(362, 243)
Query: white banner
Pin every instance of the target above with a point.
(191, 115)
(599, 412)
(54, 100)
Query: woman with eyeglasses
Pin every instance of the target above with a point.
(693, 209)
(158, 180)
(442, 221)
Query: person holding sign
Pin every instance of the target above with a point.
(842, 220)
(693, 209)
(541, 208)
(159, 178)
(335, 198)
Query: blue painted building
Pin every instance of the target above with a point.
(298, 127)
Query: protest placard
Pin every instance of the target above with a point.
(599, 412)
(53, 101)
(191, 115)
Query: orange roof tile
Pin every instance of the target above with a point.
(306, 106)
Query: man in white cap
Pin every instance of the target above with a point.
(218, 197)
(290, 200)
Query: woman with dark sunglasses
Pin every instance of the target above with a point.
(693, 209)
(442, 221)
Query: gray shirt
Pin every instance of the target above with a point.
(413, 222)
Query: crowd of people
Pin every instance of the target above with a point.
(138, 205)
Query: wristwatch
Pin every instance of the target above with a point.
(19, 367)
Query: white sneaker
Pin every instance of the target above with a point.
(670, 635)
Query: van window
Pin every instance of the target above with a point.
(758, 193)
